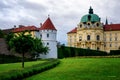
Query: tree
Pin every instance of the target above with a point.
(23, 43)
(1, 34)
(38, 48)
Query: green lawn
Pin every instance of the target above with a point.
(14, 66)
(83, 69)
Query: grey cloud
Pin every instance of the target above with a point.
(64, 14)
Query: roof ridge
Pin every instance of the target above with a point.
(48, 25)
(23, 28)
(73, 30)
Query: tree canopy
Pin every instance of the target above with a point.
(1, 34)
(24, 43)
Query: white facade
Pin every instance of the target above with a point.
(49, 39)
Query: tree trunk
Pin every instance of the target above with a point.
(22, 60)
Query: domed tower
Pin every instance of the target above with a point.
(90, 32)
(48, 35)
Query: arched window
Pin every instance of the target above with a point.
(88, 37)
(98, 37)
(80, 38)
(80, 25)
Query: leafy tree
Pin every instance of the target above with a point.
(38, 48)
(1, 34)
(23, 43)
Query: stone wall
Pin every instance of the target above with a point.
(3, 47)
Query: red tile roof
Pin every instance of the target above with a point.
(23, 28)
(73, 31)
(48, 25)
(112, 27)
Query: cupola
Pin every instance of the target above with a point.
(90, 17)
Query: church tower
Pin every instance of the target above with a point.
(88, 34)
(48, 35)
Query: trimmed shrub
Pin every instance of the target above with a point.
(29, 71)
(11, 59)
(64, 52)
(114, 52)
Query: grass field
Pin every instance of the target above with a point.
(14, 66)
(83, 69)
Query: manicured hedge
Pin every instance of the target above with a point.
(26, 72)
(11, 59)
(114, 52)
(64, 52)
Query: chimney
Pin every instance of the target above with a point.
(40, 24)
(20, 26)
(14, 26)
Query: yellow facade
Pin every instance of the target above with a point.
(90, 34)
(87, 36)
(112, 40)
(108, 40)
(31, 32)
(72, 39)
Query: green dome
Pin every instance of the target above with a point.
(90, 17)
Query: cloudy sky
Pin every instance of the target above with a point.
(65, 14)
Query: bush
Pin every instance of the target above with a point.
(26, 72)
(114, 52)
(11, 59)
(64, 52)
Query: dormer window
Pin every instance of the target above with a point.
(97, 24)
(88, 23)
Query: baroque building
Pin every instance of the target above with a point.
(91, 33)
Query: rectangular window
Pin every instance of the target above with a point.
(104, 39)
(75, 40)
(47, 43)
(70, 40)
(47, 35)
(110, 45)
(40, 35)
(110, 34)
(115, 38)
(110, 39)
(98, 37)
(115, 44)
(104, 45)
